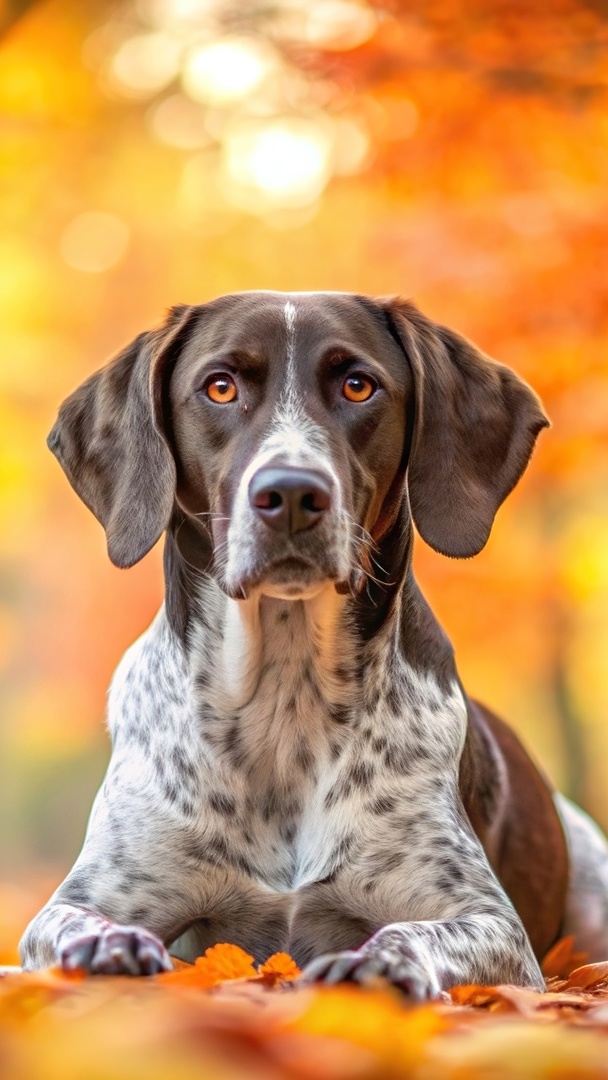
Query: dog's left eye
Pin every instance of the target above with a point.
(358, 387)
(221, 389)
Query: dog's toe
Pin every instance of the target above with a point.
(368, 968)
(332, 968)
(117, 951)
(78, 953)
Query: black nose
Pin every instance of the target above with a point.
(289, 500)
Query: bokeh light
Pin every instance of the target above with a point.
(94, 241)
(144, 64)
(226, 70)
(286, 160)
(178, 122)
(338, 24)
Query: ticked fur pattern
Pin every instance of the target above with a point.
(274, 786)
(284, 782)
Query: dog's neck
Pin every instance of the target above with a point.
(289, 684)
(329, 631)
(298, 642)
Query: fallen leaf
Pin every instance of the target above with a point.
(279, 966)
(561, 959)
(591, 975)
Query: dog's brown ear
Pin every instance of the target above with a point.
(109, 439)
(475, 427)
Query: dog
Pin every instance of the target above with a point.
(295, 763)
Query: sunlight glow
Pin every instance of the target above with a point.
(177, 14)
(226, 70)
(352, 146)
(287, 160)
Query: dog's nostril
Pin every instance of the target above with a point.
(267, 500)
(313, 503)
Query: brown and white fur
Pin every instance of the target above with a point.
(295, 763)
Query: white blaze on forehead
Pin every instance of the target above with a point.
(290, 371)
(290, 319)
(292, 439)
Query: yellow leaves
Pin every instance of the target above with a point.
(377, 1022)
(528, 1051)
(585, 555)
(223, 1019)
(40, 80)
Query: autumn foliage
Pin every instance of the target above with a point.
(222, 1018)
(455, 153)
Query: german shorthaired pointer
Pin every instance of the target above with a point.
(295, 763)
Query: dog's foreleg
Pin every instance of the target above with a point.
(67, 936)
(463, 929)
(426, 958)
(123, 900)
(131, 891)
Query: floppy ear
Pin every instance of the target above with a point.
(475, 427)
(109, 439)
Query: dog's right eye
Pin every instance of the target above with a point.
(221, 389)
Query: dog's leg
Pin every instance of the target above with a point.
(125, 898)
(587, 899)
(67, 936)
(426, 958)
(142, 879)
(149, 867)
(119, 904)
(463, 929)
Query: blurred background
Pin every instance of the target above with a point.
(164, 151)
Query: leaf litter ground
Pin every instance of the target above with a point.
(224, 1019)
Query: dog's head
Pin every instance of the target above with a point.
(293, 427)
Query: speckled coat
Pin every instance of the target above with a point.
(295, 764)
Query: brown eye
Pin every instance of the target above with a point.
(358, 388)
(221, 389)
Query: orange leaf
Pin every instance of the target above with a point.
(588, 976)
(280, 966)
(480, 996)
(226, 962)
(77, 975)
(561, 959)
(180, 965)
(220, 963)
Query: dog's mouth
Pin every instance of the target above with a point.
(288, 578)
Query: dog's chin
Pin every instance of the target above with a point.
(285, 579)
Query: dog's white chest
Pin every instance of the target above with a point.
(276, 753)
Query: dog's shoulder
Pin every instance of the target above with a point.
(150, 681)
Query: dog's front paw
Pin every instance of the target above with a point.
(116, 950)
(367, 966)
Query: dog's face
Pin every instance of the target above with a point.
(292, 427)
(288, 419)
